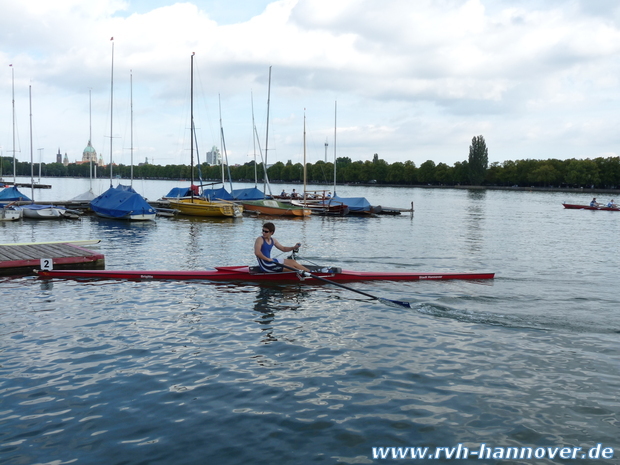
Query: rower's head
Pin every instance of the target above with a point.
(268, 228)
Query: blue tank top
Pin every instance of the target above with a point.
(266, 248)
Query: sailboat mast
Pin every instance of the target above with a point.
(90, 135)
(31, 155)
(335, 117)
(305, 165)
(254, 142)
(131, 124)
(192, 127)
(222, 149)
(13, 100)
(111, 108)
(266, 181)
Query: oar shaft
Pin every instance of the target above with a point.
(320, 278)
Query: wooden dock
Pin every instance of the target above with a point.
(23, 259)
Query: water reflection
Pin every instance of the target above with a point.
(476, 211)
(271, 300)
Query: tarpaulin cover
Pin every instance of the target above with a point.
(120, 202)
(10, 194)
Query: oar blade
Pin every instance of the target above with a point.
(394, 303)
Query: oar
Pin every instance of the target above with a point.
(398, 303)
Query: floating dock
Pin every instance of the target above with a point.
(23, 259)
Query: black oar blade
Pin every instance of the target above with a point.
(394, 303)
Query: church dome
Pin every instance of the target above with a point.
(89, 154)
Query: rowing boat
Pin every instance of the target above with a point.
(253, 274)
(588, 207)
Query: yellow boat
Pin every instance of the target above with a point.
(200, 207)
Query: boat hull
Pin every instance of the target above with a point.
(46, 213)
(10, 214)
(244, 273)
(199, 207)
(275, 208)
(588, 207)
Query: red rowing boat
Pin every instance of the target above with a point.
(588, 207)
(253, 274)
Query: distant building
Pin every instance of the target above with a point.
(58, 156)
(214, 157)
(65, 161)
(89, 154)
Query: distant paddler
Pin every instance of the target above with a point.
(594, 203)
(262, 250)
(611, 204)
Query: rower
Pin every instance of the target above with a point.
(611, 204)
(262, 250)
(594, 203)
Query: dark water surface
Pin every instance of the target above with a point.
(110, 372)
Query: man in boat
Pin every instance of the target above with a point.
(611, 204)
(594, 203)
(294, 194)
(262, 250)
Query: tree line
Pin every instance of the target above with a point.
(475, 171)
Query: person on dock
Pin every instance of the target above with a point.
(262, 250)
(594, 203)
(611, 204)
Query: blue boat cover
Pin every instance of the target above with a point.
(11, 194)
(251, 193)
(180, 192)
(216, 194)
(120, 202)
(355, 204)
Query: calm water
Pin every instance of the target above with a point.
(110, 372)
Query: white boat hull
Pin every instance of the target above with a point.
(10, 214)
(51, 213)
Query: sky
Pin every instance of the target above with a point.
(404, 79)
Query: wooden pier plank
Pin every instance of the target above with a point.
(24, 258)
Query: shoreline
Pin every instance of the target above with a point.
(574, 190)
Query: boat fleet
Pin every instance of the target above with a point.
(122, 202)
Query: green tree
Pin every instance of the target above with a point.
(426, 172)
(478, 160)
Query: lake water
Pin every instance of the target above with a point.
(110, 372)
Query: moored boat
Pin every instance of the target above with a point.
(122, 203)
(43, 212)
(10, 213)
(200, 207)
(275, 208)
(253, 274)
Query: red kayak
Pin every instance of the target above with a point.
(253, 274)
(588, 207)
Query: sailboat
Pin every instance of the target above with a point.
(36, 211)
(11, 194)
(267, 206)
(316, 201)
(121, 202)
(194, 205)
